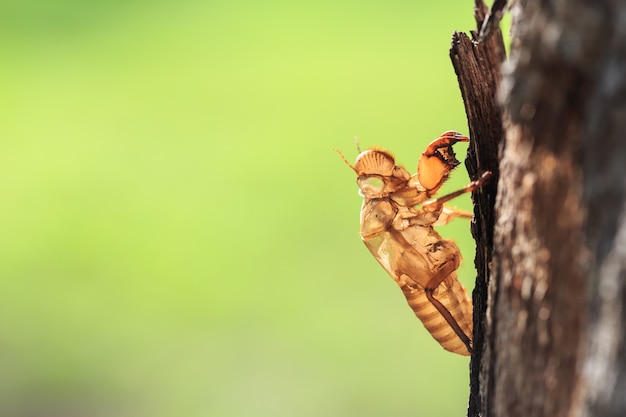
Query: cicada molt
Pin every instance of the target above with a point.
(398, 217)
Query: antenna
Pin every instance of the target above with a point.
(344, 159)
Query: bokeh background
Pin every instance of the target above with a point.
(178, 237)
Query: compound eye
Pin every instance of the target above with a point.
(372, 186)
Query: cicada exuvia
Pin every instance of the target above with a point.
(398, 216)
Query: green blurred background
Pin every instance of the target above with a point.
(178, 237)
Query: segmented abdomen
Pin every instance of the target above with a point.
(455, 299)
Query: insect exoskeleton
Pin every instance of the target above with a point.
(397, 219)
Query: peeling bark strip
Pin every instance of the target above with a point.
(477, 66)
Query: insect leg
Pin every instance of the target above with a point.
(432, 205)
(448, 214)
(447, 268)
(449, 319)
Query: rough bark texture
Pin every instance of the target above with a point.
(550, 313)
(539, 241)
(604, 194)
(477, 66)
(556, 231)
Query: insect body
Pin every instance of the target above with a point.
(397, 220)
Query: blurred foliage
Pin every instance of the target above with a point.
(179, 239)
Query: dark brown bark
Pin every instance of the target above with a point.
(550, 308)
(477, 66)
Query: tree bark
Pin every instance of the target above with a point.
(550, 300)
(477, 66)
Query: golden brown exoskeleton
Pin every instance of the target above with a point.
(397, 227)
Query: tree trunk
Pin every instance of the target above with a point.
(550, 305)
